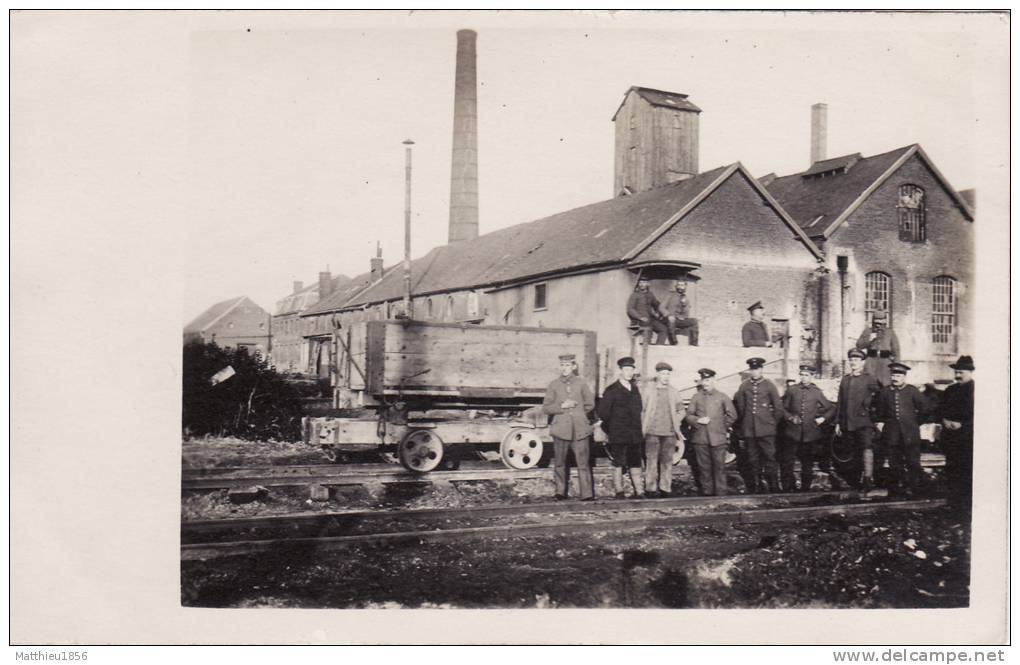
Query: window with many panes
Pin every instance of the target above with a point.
(540, 296)
(910, 212)
(943, 310)
(877, 295)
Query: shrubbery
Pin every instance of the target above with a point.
(255, 403)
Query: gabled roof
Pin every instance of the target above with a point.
(821, 204)
(601, 234)
(672, 100)
(309, 295)
(341, 295)
(213, 314)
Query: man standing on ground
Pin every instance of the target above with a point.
(663, 413)
(854, 416)
(569, 400)
(759, 409)
(899, 410)
(678, 315)
(620, 413)
(957, 411)
(711, 414)
(806, 409)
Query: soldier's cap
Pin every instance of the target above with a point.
(567, 358)
(807, 368)
(706, 373)
(661, 366)
(856, 353)
(625, 361)
(755, 306)
(898, 368)
(755, 363)
(965, 362)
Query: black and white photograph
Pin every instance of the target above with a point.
(686, 311)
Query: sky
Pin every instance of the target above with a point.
(294, 122)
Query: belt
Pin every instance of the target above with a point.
(875, 353)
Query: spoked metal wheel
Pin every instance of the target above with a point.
(678, 452)
(421, 451)
(521, 448)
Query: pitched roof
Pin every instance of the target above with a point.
(341, 295)
(212, 315)
(600, 234)
(820, 204)
(309, 295)
(672, 100)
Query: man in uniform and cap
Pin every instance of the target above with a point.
(678, 315)
(854, 412)
(806, 410)
(957, 413)
(660, 421)
(569, 400)
(759, 409)
(710, 414)
(620, 413)
(899, 411)
(882, 347)
(755, 332)
(644, 311)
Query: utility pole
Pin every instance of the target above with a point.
(408, 313)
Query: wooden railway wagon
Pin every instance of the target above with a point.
(422, 390)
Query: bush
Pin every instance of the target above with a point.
(255, 403)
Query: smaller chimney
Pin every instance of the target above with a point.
(376, 264)
(819, 131)
(325, 284)
(298, 285)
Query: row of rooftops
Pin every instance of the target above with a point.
(813, 202)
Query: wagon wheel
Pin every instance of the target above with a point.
(421, 451)
(521, 448)
(678, 452)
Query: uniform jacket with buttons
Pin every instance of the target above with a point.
(902, 409)
(759, 408)
(854, 408)
(802, 404)
(650, 400)
(570, 424)
(721, 413)
(620, 412)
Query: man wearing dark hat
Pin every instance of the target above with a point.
(880, 344)
(569, 400)
(644, 311)
(620, 414)
(957, 413)
(759, 410)
(899, 411)
(755, 332)
(710, 414)
(806, 409)
(660, 421)
(678, 315)
(854, 416)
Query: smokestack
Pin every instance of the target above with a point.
(298, 285)
(464, 172)
(325, 284)
(376, 264)
(819, 131)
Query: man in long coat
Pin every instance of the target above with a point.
(569, 400)
(855, 416)
(759, 410)
(899, 410)
(806, 410)
(957, 413)
(619, 412)
(881, 345)
(710, 414)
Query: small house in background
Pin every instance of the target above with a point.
(235, 323)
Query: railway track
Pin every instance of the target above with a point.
(368, 474)
(212, 539)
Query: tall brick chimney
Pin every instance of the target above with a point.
(298, 285)
(376, 264)
(464, 170)
(325, 284)
(819, 131)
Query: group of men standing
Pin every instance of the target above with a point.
(644, 425)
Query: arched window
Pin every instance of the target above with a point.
(943, 310)
(877, 295)
(910, 212)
